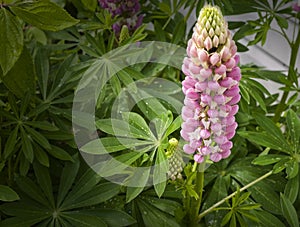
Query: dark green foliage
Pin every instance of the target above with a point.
(46, 179)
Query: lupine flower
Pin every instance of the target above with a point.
(296, 6)
(211, 88)
(127, 10)
(175, 160)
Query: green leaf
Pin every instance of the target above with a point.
(67, 179)
(264, 139)
(20, 79)
(233, 221)
(139, 123)
(291, 189)
(11, 39)
(152, 216)
(44, 125)
(140, 178)
(25, 220)
(217, 192)
(226, 218)
(85, 184)
(116, 85)
(45, 15)
(7, 194)
(11, 142)
(26, 146)
(150, 107)
(121, 128)
(267, 159)
(160, 171)
(24, 208)
(267, 219)
(112, 144)
(165, 205)
(293, 126)
(269, 126)
(44, 180)
(262, 192)
(162, 123)
(281, 165)
(24, 165)
(59, 153)
(96, 195)
(176, 124)
(118, 164)
(41, 155)
(179, 32)
(109, 216)
(32, 190)
(38, 137)
(289, 211)
(159, 32)
(282, 22)
(78, 219)
(90, 4)
(245, 93)
(292, 168)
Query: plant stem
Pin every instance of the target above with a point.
(294, 53)
(196, 203)
(233, 194)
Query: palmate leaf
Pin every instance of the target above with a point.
(73, 206)
(136, 140)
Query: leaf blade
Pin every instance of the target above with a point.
(45, 15)
(11, 39)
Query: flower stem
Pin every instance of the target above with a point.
(233, 194)
(294, 53)
(196, 203)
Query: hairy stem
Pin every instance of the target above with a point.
(233, 194)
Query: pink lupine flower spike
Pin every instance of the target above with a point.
(211, 88)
